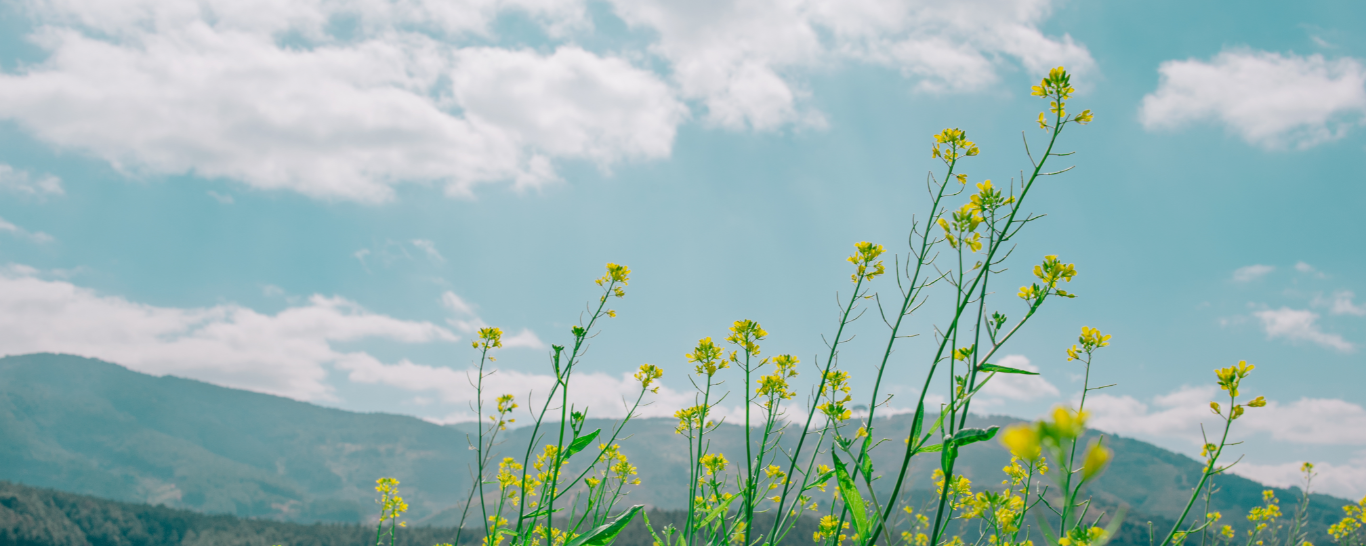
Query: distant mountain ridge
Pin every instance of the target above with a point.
(91, 427)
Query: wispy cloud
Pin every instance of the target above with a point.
(1300, 325)
(35, 236)
(467, 321)
(1251, 272)
(429, 248)
(1340, 303)
(1271, 100)
(221, 197)
(24, 183)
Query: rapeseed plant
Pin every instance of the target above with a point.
(539, 499)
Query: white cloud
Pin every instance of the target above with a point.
(35, 236)
(287, 353)
(1251, 272)
(21, 182)
(208, 88)
(1343, 480)
(1269, 99)
(1342, 304)
(1015, 387)
(429, 248)
(740, 57)
(1178, 414)
(221, 197)
(271, 95)
(468, 322)
(1300, 325)
(1308, 421)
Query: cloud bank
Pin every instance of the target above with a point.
(349, 100)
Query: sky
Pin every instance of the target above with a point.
(325, 199)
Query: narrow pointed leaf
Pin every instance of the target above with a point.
(605, 534)
(1003, 369)
(581, 443)
(852, 498)
(974, 435)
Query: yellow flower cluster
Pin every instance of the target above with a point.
(964, 223)
(955, 145)
(865, 259)
(391, 505)
(715, 463)
(774, 386)
(988, 198)
(1050, 272)
(830, 527)
(1057, 86)
(836, 394)
(746, 333)
(616, 277)
(1090, 340)
(691, 418)
(1354, 519)
(1082, 537)
(1229, 380)
(1026, 441)
(707, 356)
(489, 338)
(647, 375)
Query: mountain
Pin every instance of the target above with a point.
(91, 427)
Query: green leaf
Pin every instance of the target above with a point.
(1002, 369)
(819, 480)
(974, 435)
(917, 423)
(540, 513)
(580, 443)
(605, 534)
(852, 498)
(936, 448)
(720, 509)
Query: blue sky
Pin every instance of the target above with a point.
(320, 199)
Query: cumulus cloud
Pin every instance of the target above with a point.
(1307, 421)
(209, 88)
(1300, 325)
(287, 353)
(1178, 414)
(270, 94)
(1343, 480)
(468, 322)
(1271, 100)
(23, 183)
(35, 236)
(1251, 272)
(739, 57)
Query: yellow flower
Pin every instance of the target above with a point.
(707, 357)
(505, 403)
(745, 333)
(1023, 441)
(1257, 402)
(715, 463)
(865, 259)
(1097, 457)
(647, 375)
(493, 337)
(1043, 120)
(1084, 117)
